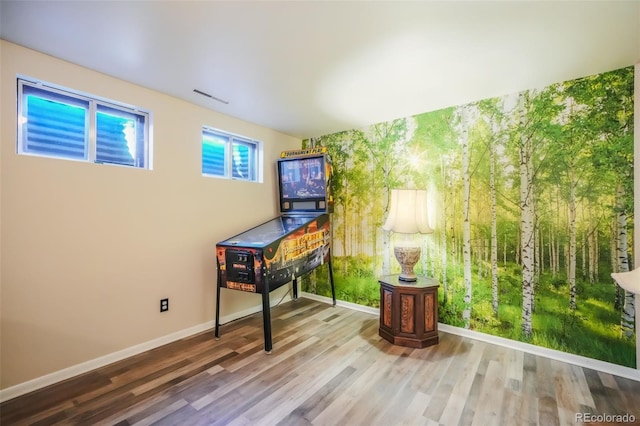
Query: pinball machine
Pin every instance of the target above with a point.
(278, 252)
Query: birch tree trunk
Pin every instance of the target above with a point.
(386, 252)
(537, 251)
(504, 252)
(592, 258)
(480, 256)
(628, 310)
(572, 238)
(557, 254)
(486, 251)
(617, 304)
(596, 253)
(536, 267)
(425, 256)
(591, 242)
(494, 229)
(452, 230)
(541, 247)
(443, 251)
(551, 258)
(454, 250)
(556, 257)
(583, 253)
(355, 217)
(526, 224)
(313, 282)
(466, 226)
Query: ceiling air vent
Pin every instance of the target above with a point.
(200, 92)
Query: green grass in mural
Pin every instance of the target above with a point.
(587, 331)
(354, 286)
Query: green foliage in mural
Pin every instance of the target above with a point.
(557, 162)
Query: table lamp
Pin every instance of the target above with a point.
(407, 216)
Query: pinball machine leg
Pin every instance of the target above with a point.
(266, 319)
(333, 288)
(295, 289)
(217, 327)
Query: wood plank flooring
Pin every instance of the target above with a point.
(328, 367)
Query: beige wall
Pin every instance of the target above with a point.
(87, 251)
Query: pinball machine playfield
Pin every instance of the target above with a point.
(279, 251)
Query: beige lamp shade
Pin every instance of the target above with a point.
(629, 281)
(408, 212)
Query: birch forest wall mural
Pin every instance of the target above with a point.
(531, 200)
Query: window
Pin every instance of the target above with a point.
(230, 156)
(61, 123)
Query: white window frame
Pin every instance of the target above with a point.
(90, 150)
(231, 138)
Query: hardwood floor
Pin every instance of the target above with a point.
(328, 367)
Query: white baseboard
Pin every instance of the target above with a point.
(605, 367)
(594, 364)
(84, 367)
(75, 370)
(354, 306)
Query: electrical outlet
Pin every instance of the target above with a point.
(164, 305)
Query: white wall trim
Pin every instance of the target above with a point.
(594, 364)
(85, 367)
(75, 370)
(341, 303)
(605, 367)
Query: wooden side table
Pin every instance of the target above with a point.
(409, 311)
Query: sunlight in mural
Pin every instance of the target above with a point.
(532, 198)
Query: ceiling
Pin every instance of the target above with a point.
(309, 68)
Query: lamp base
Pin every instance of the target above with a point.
(407, 257)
